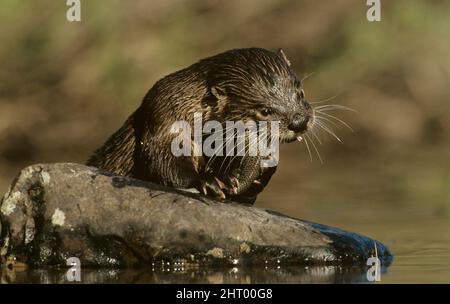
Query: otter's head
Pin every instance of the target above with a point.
(257, 84)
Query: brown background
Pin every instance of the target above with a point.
(64, 87)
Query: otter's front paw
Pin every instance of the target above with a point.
(212, 186)
(232, 182)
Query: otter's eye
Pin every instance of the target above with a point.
(265, 112)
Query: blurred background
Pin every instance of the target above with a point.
(65, 87)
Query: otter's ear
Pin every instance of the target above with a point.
(283, 56)
(220, 98)
(217, 92)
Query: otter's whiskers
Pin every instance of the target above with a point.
(325, 122)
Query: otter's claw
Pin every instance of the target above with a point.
(212, 187)
(220, 183)
(257, 183)
(233, 182)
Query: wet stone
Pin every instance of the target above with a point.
(56, 211)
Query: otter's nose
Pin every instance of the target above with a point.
(299, 123)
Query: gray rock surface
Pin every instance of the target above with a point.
(56, 211)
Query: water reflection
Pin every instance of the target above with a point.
(324, 274)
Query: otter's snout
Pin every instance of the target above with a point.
(299, 123)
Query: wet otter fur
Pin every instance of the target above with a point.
(241, 84)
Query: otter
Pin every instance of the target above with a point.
(251, 84)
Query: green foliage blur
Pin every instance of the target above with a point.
(65, 87)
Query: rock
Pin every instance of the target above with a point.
(56, 211)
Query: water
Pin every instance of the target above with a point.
(400, 199)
